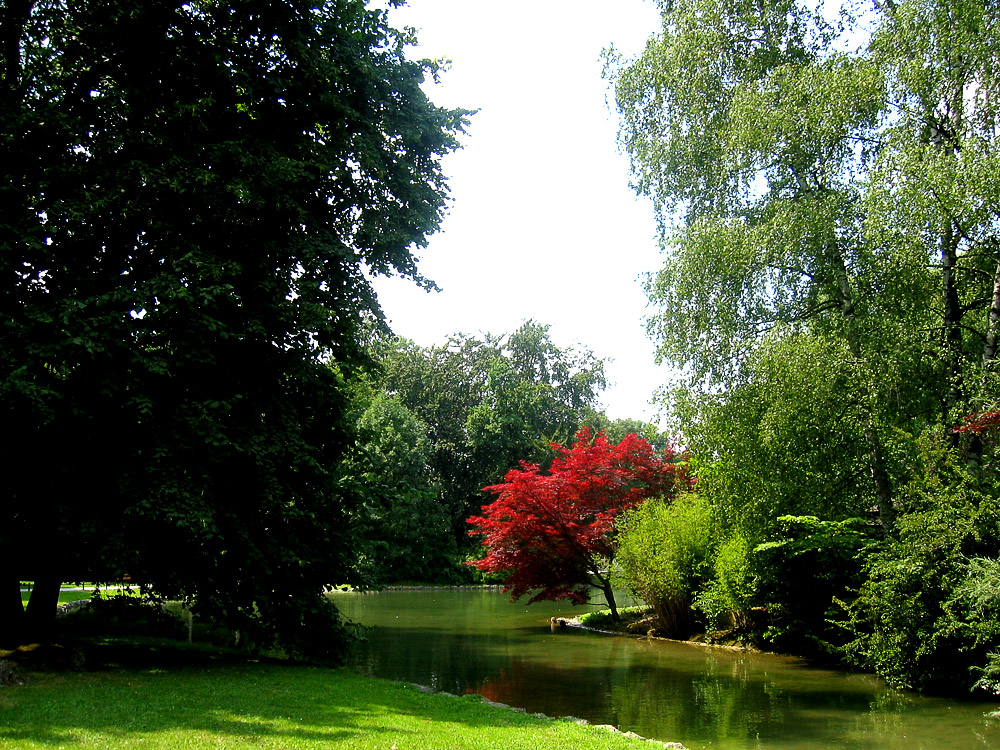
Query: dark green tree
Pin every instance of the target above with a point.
(441, 385)
(928, 615)
(191, 195)
(407, 530)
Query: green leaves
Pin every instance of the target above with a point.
(926, 616)
(665, 552)
(829, 286)
(192, 196)
(490, 402)
(684, 100)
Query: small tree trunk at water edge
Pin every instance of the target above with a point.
(609, 596)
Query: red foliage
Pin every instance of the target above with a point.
(553, 531)
(980, 423)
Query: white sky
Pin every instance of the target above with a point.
(543, 225)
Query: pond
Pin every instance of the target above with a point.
(477, 641)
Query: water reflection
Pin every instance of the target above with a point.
(475, 641)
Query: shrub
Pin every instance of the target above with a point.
(728, 598)
(805, 575)
(975, 610)
(928, 615)
(664, 553)
(123, 614)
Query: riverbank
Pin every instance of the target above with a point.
(639, 622)
(239, 706)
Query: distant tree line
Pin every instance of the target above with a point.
(439, 424)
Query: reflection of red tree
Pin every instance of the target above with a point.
(516, 683)
(488, 688)
(577, 688)
(551, 531)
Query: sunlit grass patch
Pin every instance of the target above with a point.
(268, 706)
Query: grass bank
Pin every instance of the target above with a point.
(72, 593)
(256, 705)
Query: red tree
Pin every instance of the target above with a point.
(554, 531)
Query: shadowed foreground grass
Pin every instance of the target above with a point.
(250, 705)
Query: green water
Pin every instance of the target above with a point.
(471, 641)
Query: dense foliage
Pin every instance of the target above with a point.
(407, 533)
(928, 612)
(552, 531)
(664, 551)
(439, 423)
(489, 402)
(830, 293)
(804, 577)
(190, 196)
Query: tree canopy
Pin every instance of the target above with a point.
(191, 196)
(821, 202)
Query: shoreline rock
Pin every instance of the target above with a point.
(12, 674)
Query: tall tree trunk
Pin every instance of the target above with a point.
(11, 613)
(993, 323)
(876, 451)
(40, 615)
(952, 323)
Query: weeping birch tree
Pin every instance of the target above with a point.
(829, 227)
(933, 189)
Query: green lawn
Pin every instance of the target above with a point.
(250, 705)
(71, 596)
